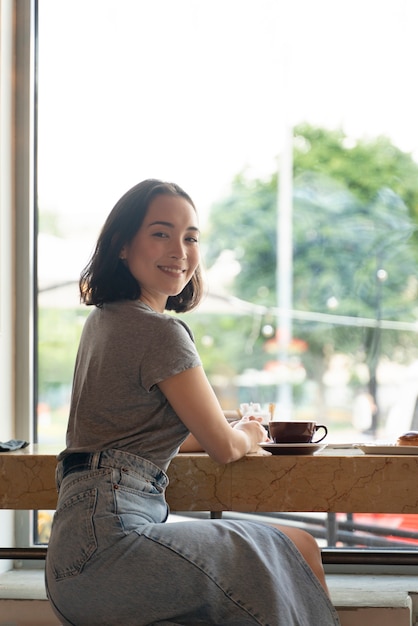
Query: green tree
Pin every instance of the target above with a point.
(355, 209)
(363, 167)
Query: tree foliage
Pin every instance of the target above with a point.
(364, 167)
(351, 219)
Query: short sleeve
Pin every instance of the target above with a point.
(171, 350)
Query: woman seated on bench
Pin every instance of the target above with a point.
(139, 395)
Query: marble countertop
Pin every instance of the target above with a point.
(334, 480)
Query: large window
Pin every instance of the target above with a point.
(292, 125)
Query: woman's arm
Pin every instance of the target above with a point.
(193, 399)
(191, 444)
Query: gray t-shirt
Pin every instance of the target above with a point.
(126, 348)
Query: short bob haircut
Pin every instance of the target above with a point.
(106, 278)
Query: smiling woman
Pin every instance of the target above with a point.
(139, 393)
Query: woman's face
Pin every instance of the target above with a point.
(164, 253)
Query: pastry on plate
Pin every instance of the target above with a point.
(408, 439)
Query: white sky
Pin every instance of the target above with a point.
(196, 90)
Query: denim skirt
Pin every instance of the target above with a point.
(112, 560)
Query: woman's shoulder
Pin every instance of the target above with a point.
(135, 312)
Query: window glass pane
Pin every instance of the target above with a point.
(224, 97)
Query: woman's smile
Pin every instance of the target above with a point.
(177, 271)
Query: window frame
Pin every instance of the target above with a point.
(25, 219)
(25, 249)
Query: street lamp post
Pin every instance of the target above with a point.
(374, 349)
(284, 271)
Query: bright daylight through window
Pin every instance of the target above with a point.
(293, 127)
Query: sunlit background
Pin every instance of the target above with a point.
(207, 93)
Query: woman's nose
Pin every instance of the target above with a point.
(178, 250)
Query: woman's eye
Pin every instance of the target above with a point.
(159, 234)
(192, 239)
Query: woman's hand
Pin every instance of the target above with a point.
(246, 418)
(253, 428)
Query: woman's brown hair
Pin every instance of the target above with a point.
(106, 278)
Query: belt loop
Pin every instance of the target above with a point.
(95, 460)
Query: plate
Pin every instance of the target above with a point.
(389, 448)
(342, 446)
(292, 448)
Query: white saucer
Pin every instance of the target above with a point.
(292, 448)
